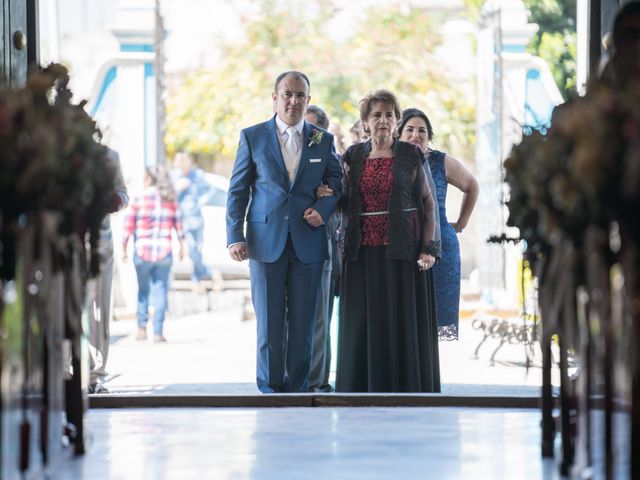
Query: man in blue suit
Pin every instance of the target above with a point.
(279, 165)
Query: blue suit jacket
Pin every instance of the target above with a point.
(261, 193)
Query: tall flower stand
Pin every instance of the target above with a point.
(43, 399)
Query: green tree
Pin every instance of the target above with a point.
(207, 108)
(555, 40)
(388, 48)
(473, 8)
(395, 49)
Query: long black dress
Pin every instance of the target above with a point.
(388, 337)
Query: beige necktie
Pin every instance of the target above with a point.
(291, 147)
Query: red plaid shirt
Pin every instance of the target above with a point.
(150, 220)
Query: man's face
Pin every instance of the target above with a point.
(291, 100)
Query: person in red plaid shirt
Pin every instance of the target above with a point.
(150, 219)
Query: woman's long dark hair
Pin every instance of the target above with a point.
(160, 179)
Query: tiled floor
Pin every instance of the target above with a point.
(312, 443)
(214, 353)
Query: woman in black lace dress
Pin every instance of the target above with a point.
(388, 339)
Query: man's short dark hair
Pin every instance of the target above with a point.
(295, 73)
(321, 116)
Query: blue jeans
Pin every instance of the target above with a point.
(153, 278)
(194, 245)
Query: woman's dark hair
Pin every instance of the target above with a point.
(160, 179)
(410, 113)
(383, 96)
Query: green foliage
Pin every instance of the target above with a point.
(389, 47)
(473, 8)
(51, 160)
(555, 41)
(582, 174)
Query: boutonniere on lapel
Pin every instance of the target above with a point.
(315, 138)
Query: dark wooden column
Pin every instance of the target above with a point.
(21, 367)
(15, 38)
(594, 38)
(608, 10)
(33, 35)
(601, 14)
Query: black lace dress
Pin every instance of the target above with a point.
(387, 338)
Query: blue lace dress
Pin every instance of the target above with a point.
(447, 270)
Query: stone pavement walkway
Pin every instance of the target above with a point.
(213, 352)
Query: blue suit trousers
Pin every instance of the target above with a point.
(284, 296)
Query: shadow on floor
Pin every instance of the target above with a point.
(188, 389)
(450, 389)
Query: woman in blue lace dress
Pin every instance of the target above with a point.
(415, 128)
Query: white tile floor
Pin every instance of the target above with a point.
(304, 443)
(214, 352)
(312, 443)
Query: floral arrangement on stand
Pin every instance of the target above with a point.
(51, 159)
(585, 172)
(575, 196)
